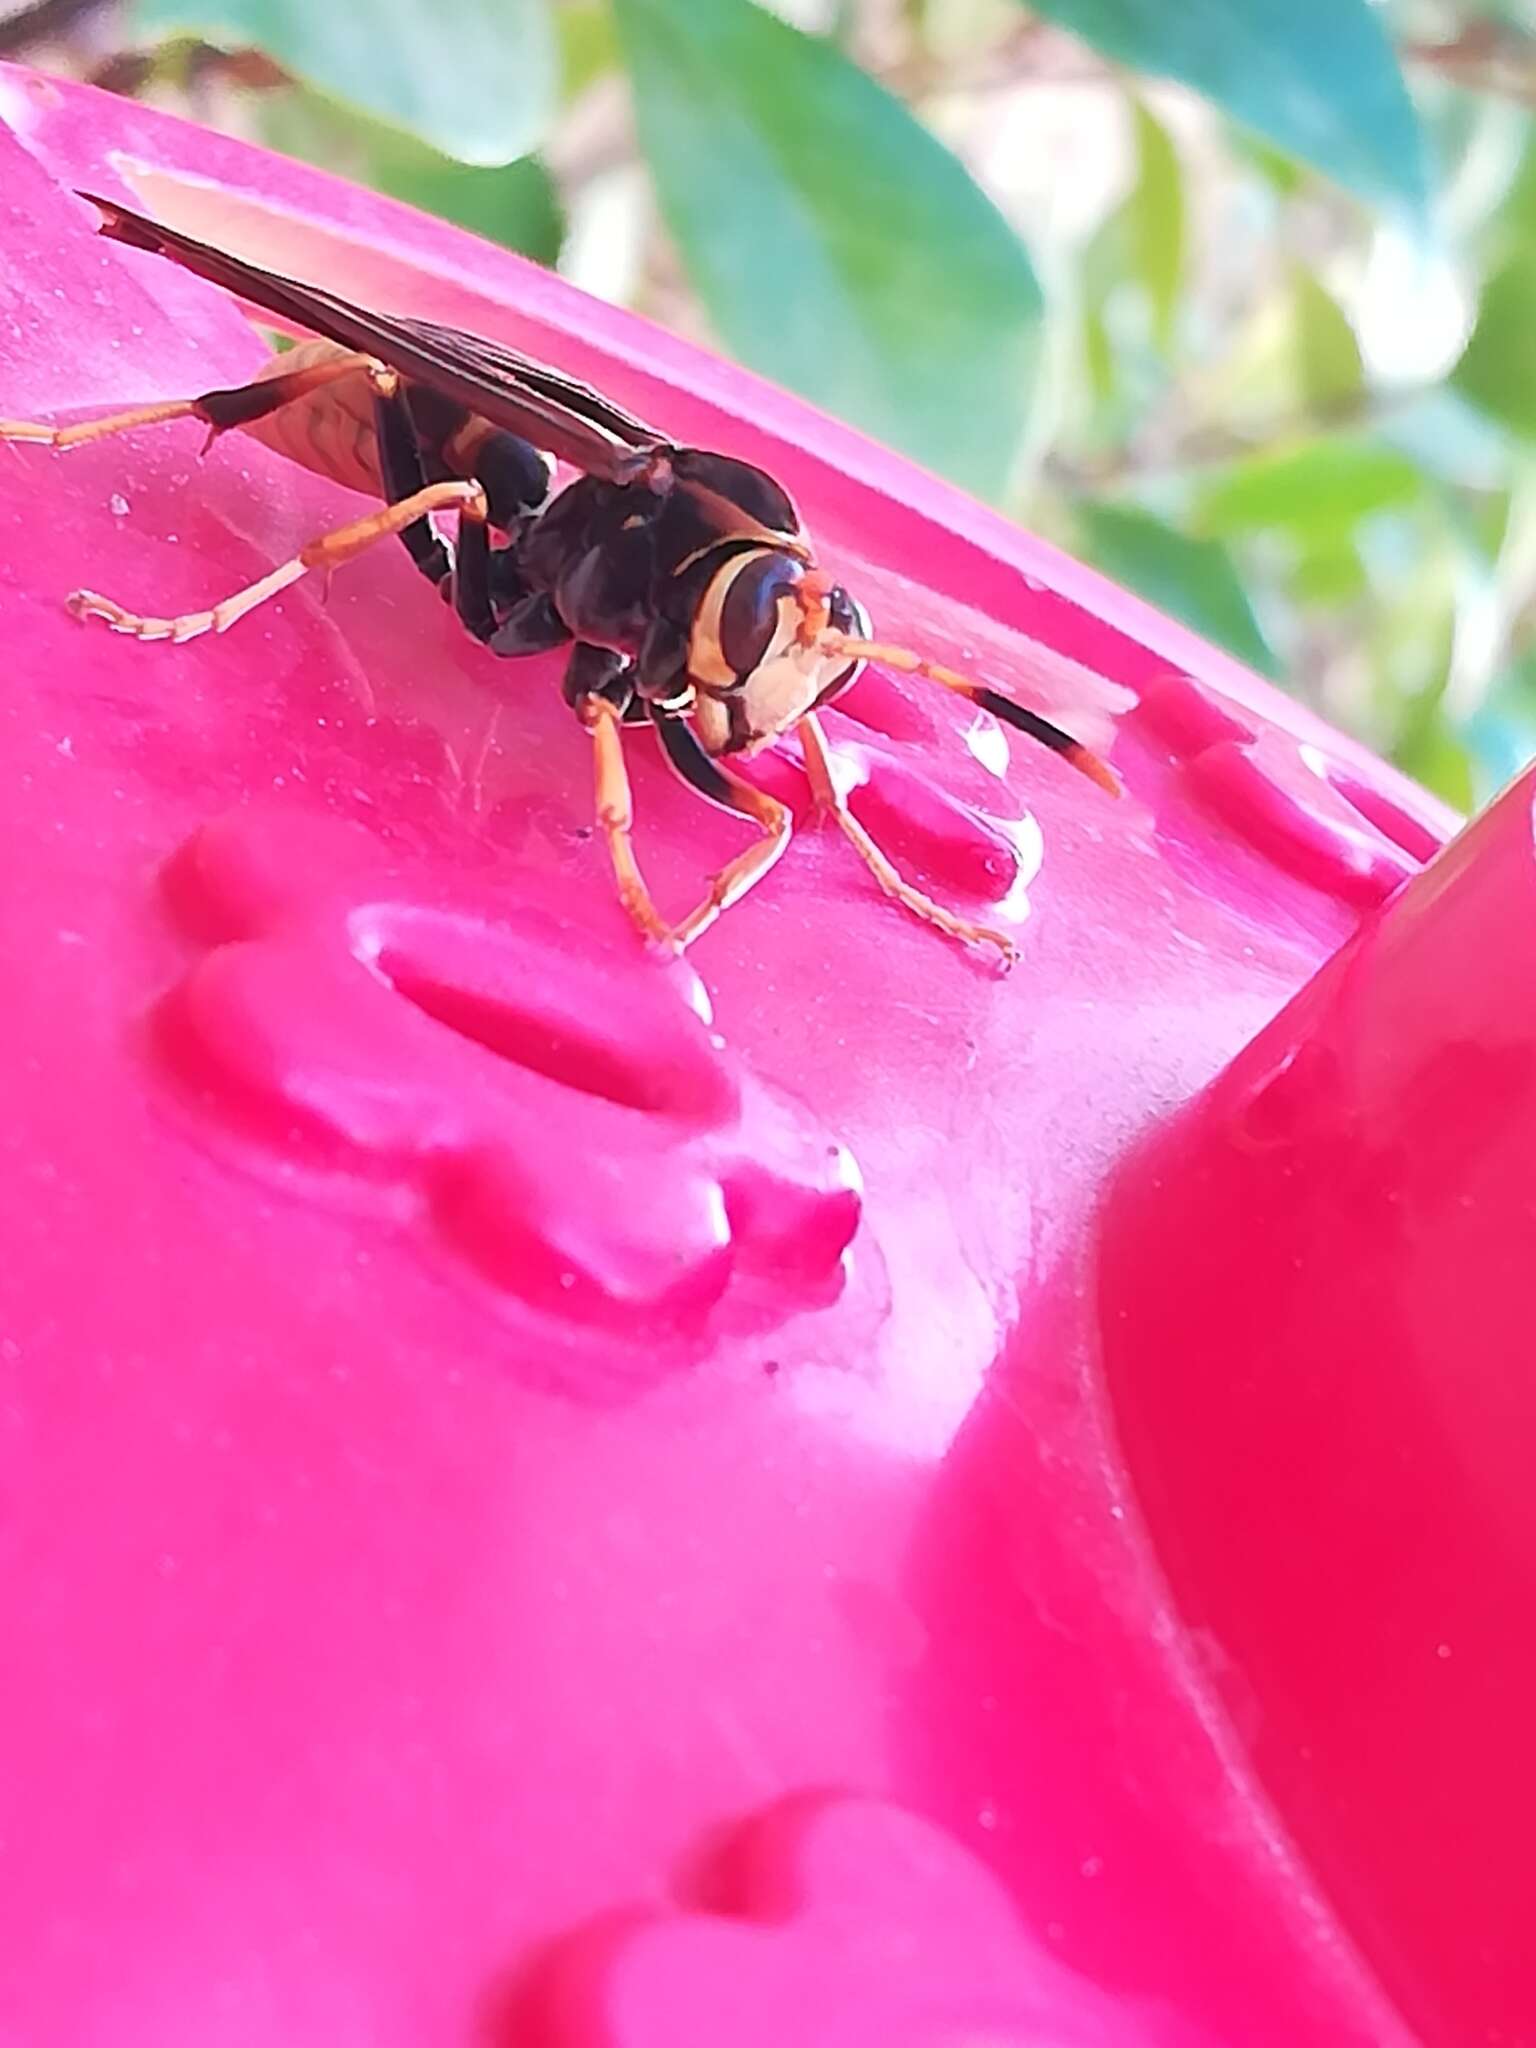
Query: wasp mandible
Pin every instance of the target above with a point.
(681, 580)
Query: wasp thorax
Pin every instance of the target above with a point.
(755, 655)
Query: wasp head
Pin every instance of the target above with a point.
(759, 655)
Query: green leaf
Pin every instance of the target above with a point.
(1328, 573)
(1518, 209)
(1155, 217)
(836, 244)
(1496, 371)
(1433, 755)
(514, 204)
(472, 78)
(1192, 579)
(1316, 77)
(1098, 357)
(1328, 366)
(589, 44)
(1323, 487)
(1280, 172)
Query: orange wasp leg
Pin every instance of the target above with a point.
(239, 406)
(774, 821)
(616, 814)
(328, 551)
(828, 798)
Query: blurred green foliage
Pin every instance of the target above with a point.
(1237, 300)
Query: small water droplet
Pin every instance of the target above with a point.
(120, 506)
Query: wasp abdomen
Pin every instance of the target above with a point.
(329, 431)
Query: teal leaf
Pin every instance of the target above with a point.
(837, 246)
(1193, 580)
(475, 79)
(1318, 78)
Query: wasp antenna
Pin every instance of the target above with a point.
(1082, 758)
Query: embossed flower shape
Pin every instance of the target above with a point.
(829, 1923)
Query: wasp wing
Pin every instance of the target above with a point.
(511, 390)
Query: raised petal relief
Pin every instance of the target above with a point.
(561, 1117)
(828, 1922)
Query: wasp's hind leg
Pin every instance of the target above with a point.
(219, 411)
(242, 406)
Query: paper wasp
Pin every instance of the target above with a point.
(682, 580)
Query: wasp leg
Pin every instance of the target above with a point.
(616, 813)
(731, 793)
(328, 551)
(828, 798)
(472, 577)
(218, 410)
(402, 475)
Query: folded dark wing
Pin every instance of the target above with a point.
(557, 413)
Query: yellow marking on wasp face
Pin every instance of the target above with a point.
(706, 659)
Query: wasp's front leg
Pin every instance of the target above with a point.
(829, 799)
(590, 687)
(730, 792)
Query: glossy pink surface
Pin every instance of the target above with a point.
(557, 1499)
(1362, 1549)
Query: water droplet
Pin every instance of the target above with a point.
(120, 506)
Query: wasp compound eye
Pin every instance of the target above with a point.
(749, 616)
(845, 614)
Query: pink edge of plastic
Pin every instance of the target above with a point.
(489, 1417)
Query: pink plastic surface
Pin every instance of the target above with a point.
(548, 1498)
